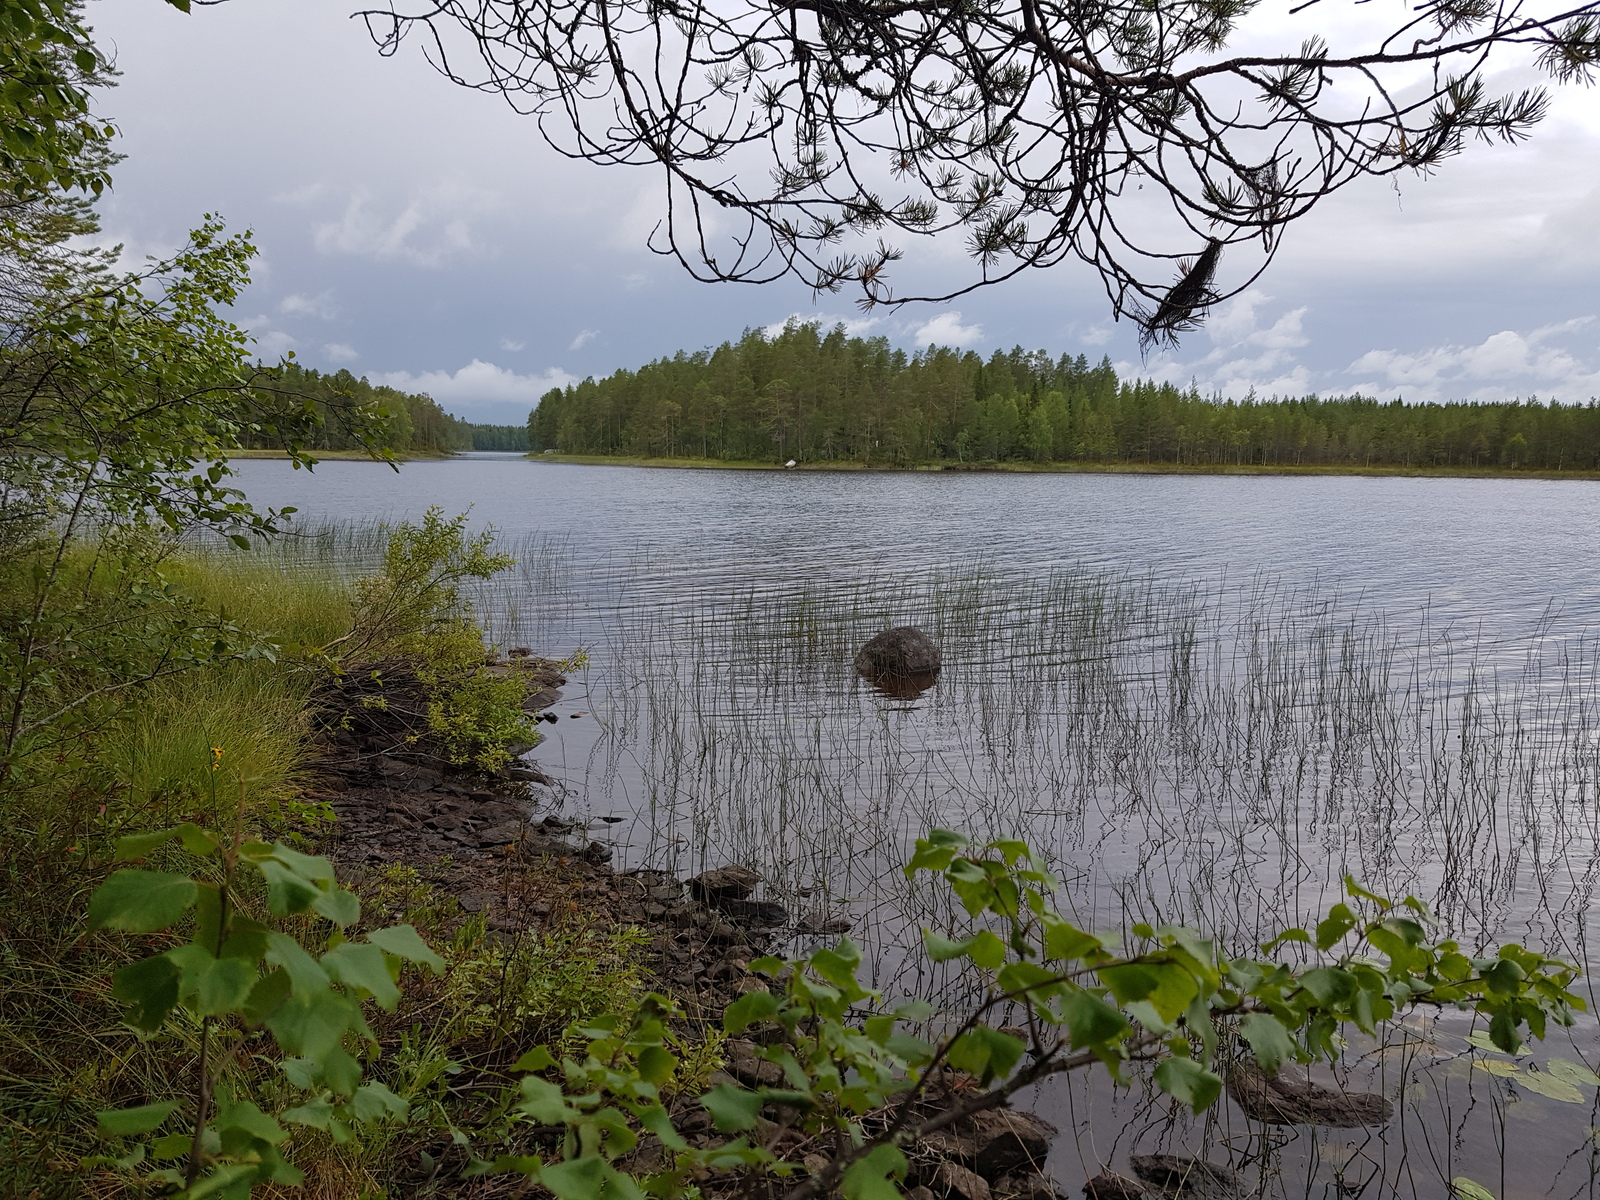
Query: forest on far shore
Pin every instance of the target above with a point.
(416, 424)
(815, 395)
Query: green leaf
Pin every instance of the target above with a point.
(656, 1064)
(577, 1179)
(1188, 1082)
(1547, 1084)
(732, 1109)
(339, 906)
(1269, 1040)
(986, 1053)
(341, 1071)
(305, 972)
(374, 1102)
(311, 1024)
(141, 901)
(838, 966)
(131, 1122)
(1339, 921)
(1063, 941)
(872, 1176)
(138, 845)
(1466, 1189)
(223, 985)
(1483, 1041)
(986, 950)
(246, 1117)
(753, 1008)
(403, 941)
(537, 1059)
(1572, 1072)
(318, 1114)
(271, 990)
(544, 1102)
(150, 990)
(1329, 985)
(287, 892)
(1091, 1021)
(362, 965)
(942, 949)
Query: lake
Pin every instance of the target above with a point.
(1204, 698)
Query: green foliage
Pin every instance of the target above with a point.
(867, 1080)
(820, 396)
(241, 972)
(344, 404)
(414, 608)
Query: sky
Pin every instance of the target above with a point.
(422, 235)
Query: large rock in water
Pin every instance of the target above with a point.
(902, 651)
(1274, 1100)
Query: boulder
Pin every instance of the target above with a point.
(902, 651)
(1187, 1178)
(996, 1142)
(760, 913)
(724, 883)
(958, 1183)
(1108, 1185)
(1275, 1100)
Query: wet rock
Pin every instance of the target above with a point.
(530, 775)
(597, 852)
(904, 650)
(477, 899)
(1108, 1185)
(1024, 1185)
(997, 1142)
(817, 923)
(916, 1193)
(1275, 1100)
(723, 884)
(755, 912)
(746, 1065)
(1187, 1178)
(958, 1183)
(1009, 1141)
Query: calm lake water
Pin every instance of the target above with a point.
(1204, 698)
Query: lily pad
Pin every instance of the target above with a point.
(1572, 1072)
(1547, 1084)
(1480, 1039)
(1496, 1066)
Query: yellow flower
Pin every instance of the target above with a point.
(216, 758)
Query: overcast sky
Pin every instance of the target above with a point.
(423, 236)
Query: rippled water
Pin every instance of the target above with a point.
(1205, 698)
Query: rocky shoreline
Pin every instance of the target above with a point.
(496, 845)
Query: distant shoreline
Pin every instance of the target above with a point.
(345, 455)
(1070, 468)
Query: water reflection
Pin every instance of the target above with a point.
(900, 687)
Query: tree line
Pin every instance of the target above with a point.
(823, 396)
(346, 408)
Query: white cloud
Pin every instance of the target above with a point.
(478, 382)
(432, 227)
(946, 329)
(583, 339)
(270, 343)
(320, 305)
(853, 326)
(1503, 365)
(339, 352)
(508, 344)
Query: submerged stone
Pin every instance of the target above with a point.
(903, 651)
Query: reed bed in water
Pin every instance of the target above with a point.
(1218, 755)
